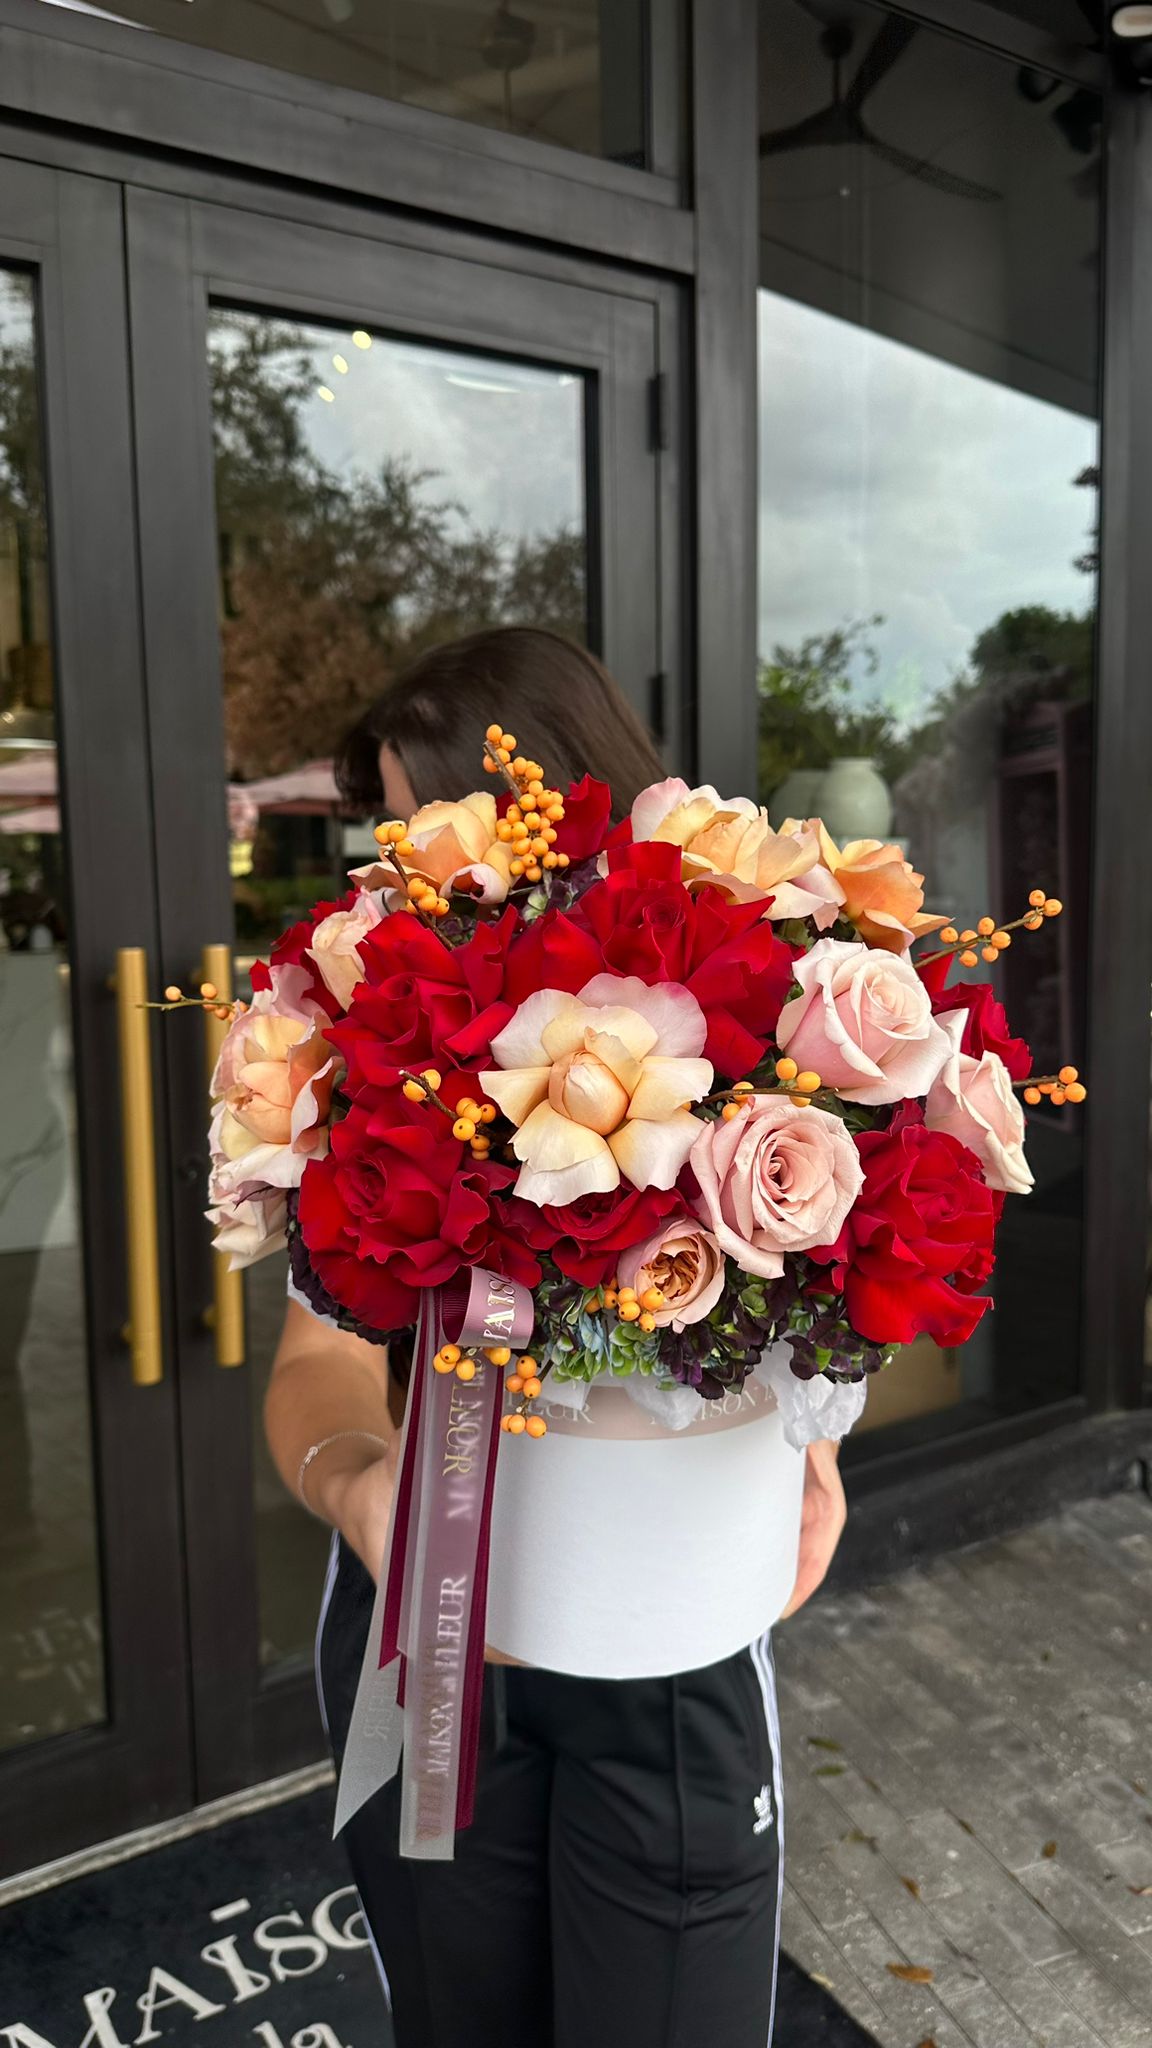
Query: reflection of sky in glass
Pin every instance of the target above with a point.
(893, 482)
(503, 441)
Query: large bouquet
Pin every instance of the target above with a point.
(677, 1088)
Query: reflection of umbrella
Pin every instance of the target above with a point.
(308, 789)
(38, 818)
(33, 775)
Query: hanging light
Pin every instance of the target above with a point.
(1131, 27)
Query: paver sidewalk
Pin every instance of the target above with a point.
(968, 1791)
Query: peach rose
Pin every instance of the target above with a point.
(335, 945)
(728, 843)
(599, 1086)
(882, 893)
(973, 1100)
(452, 840)
(776, 1179)
(273, 1093)
(864, 1023)
(685, 1262)
(275, 1073)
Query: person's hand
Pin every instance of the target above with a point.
(822, 1520)
(354, 1490)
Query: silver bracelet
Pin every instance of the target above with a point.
(314, 1451)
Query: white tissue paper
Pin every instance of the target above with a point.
(811, 1410)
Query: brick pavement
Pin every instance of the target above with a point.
(968, 1758)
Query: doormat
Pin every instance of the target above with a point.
(248, 1933)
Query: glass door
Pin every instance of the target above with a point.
(383, 441)
(93, 1720)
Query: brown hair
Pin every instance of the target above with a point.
(559, 701)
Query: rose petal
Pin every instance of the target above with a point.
(674, 1014)
(666, 1085)
(520, 1043)
(654, 803)
(517, 1092)
(654, 1155)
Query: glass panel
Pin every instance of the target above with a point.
(1074, 21)
(928, 432)
(564, 71)
(51, 1662)
(372, 499)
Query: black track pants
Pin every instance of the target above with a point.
(620, 1885)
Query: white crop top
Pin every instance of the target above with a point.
(626, 1548)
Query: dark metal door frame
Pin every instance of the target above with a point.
(182, 257)
(62, 1792)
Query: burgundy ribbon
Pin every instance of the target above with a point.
(422, 1680)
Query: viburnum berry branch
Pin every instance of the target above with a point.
(996, 937)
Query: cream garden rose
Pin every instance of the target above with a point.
(863, 1021)
(973, 1100)
(775, 1179)
(686, 1263)
(728, 842)
(599, 1086)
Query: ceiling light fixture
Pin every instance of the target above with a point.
(1132, 28)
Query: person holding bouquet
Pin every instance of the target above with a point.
(616, 1139)
(621, 1879)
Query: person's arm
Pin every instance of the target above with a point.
(325, 1383)
(822, 1520)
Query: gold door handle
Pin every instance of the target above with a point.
(225, 1318)
(143, 1330)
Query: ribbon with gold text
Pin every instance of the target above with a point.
(422, 1679)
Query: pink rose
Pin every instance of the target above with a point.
(973, 1100)
(864, 1023)
(335, 945)
(775, 1179)
(685, 1262)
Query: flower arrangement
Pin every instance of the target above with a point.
(655, 1103)
(680, 1078)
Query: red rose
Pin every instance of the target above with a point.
(291, 950)
(647, 923)
(397, 1207)
(986, 1026)
(417, 993)
(919, 1239)
(587, 819)
(586, 1238)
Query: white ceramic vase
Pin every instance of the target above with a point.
(795, 797)
(854, 800)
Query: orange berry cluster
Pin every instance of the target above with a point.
(424, 899)
(799, 1087)
(208, 999)
(528, 827)
(630, 1307)
(525, 1380)
(468, 1118)
(994, 939)
(471, 1117)
(1066, 1086)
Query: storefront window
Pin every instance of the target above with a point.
(564, 71)
(375, 495)
(51, 1610)
(928, 445)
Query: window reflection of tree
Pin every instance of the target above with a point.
(329, 583)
